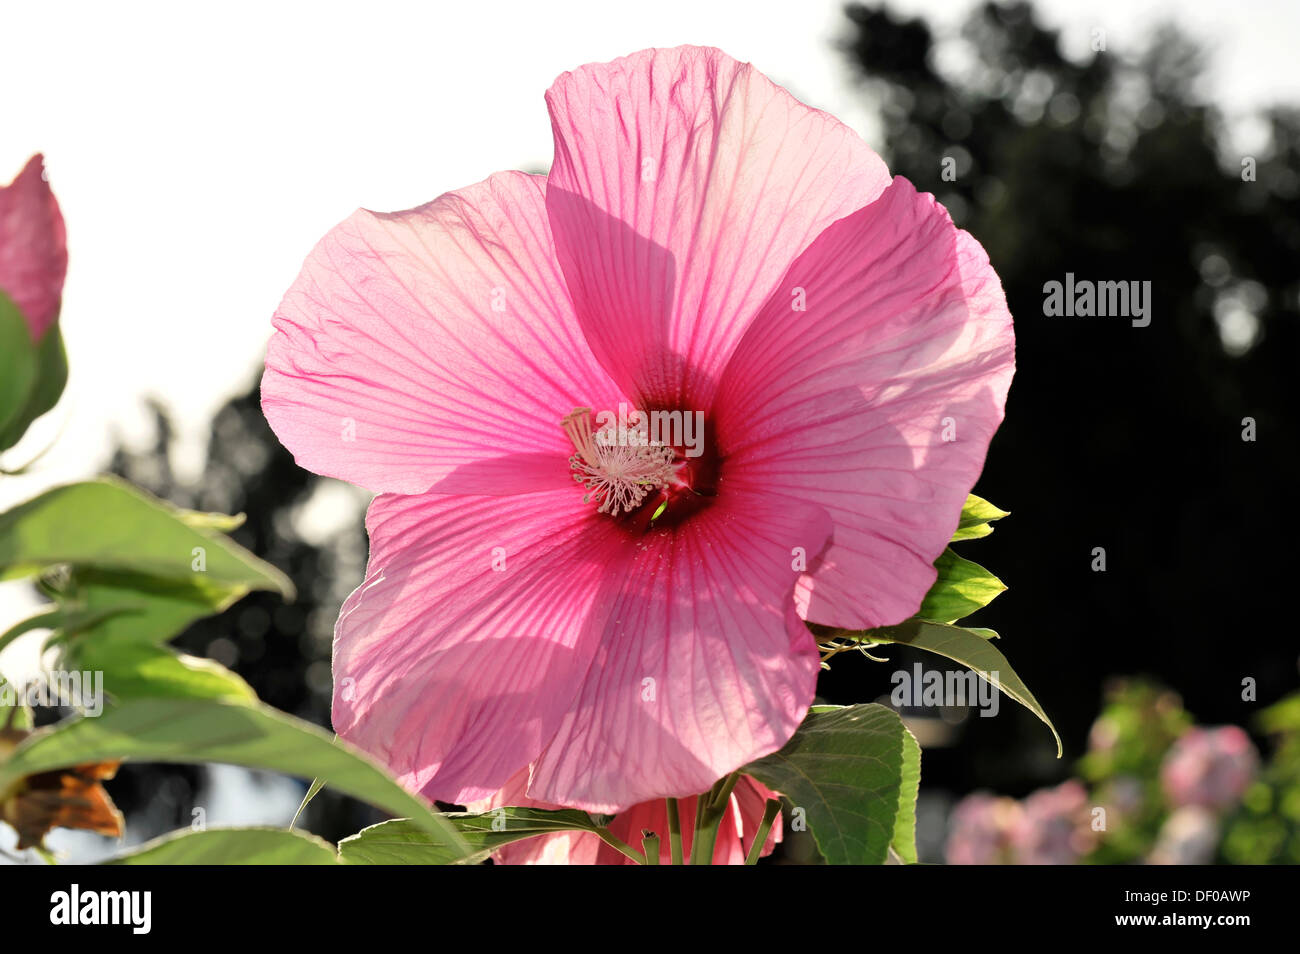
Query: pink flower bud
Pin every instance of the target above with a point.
(33, 247)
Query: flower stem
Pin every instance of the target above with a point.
(674, 831)
(709, 811)
(650, 845)
(722, 793)
(770, 811)
(701, 802)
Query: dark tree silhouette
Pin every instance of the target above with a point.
(1125, 438)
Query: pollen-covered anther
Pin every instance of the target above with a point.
(617, 470)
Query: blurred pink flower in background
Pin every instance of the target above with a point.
(1123, 797)
(980, 829)
(1054, 826)
(33, 247)
(1210, 768)
(1050, 827)
(736, 831)
(1189, 836)
(705, 244)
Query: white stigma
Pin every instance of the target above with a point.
(616, 474)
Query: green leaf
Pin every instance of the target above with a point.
(207, 520)
(139, 571)
(14, 713)
(232, 846)
(63, 620)
(961, 588)
(193, 731)
(313, 790)
(132, 666)
(399, 842)
(18, 369)
(977, 516)
(120, 626)
(107, 525)
(127, 607)
(51, 378)
(973, 651)
(855, 771)
(138, 670)
(45, 619)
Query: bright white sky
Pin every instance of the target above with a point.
(199, 151)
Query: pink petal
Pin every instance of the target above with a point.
(750, 797)
(683, 186)
(33, 247)
(434, 348)
(560, 848)
(455, 673)
(845, 405)
(703, 664)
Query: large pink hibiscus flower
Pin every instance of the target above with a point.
(704, 244)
